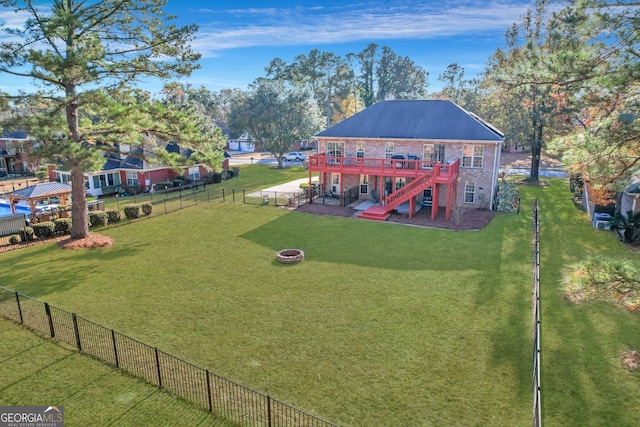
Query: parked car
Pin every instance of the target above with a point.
(295, 156)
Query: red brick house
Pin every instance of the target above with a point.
(431, 152)
(14, 148)
(129, 168)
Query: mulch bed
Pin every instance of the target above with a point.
(473, 219)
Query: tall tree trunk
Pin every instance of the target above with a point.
(79, 223)
(536, 151)
(79, 218)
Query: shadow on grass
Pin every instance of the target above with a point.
(345, 241)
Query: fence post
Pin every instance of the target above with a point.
(115, 349)
(223, 196)
(75, 330)
(233, 195)
(208, 194)
(19, 308)
(48, 311)
(268, 410)
(158, 367)
(244, 197)
(209, 391)
(180, 197)
(164, 202)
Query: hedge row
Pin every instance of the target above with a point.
(62, 226)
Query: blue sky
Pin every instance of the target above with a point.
(238, 39)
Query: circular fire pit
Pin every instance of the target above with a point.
(288, 256)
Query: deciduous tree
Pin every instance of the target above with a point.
(277, 115)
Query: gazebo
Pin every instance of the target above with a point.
(36, 193)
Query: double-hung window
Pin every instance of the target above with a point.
(472, 156)
(469, 191)
(434, 153)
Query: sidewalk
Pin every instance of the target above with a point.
(249, 154)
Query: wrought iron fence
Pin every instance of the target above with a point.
(537, 406)
(197, 385)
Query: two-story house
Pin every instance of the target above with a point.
(14, 148)
(411, 151)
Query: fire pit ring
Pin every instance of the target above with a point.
(289, 256)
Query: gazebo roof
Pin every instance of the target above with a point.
(41, 191)
(33, 194)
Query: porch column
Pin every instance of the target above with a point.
(435, 196)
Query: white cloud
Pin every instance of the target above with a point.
(291, 27)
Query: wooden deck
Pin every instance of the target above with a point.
(423, 174)
(443, 173)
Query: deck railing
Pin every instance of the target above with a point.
(385, 167)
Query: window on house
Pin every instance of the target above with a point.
(360, 150)
(389, 150)
(469, 191)
(63, 177)
(21, 148)
(335, 149)
(400, 182)
(194, 174)
(433, 152)
(132, 178)
(364, 184)
(106, 179)
(472, 156)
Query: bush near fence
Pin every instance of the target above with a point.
(143, 205)
(197, 385)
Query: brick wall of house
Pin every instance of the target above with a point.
(482, 177)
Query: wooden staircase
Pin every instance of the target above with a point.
(392, 201)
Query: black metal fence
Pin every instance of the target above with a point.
(537, 406)
(167, 202)
(192, 383)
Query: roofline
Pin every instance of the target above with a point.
(470, 141)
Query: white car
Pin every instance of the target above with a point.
(295, 156)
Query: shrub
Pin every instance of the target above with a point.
(41, 175)
(507, 197)
(177, 182)
(26, 234)
(62, 226)
(304, 185)
(14, 239)
(98, 218)
(132, 211)
(44, 229)
(147, 208)
(604, 279)
(114, 216)
(163, 185)
(217, 178)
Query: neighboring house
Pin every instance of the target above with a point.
(127, 168)
(243, 143)
(630, 197)
(397, 152)
(14, 147)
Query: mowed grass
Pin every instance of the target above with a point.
(36, 371)
(381, 325)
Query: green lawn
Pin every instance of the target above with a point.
(381, 325)
(36, 371)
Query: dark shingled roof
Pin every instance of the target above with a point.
(423, 119)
